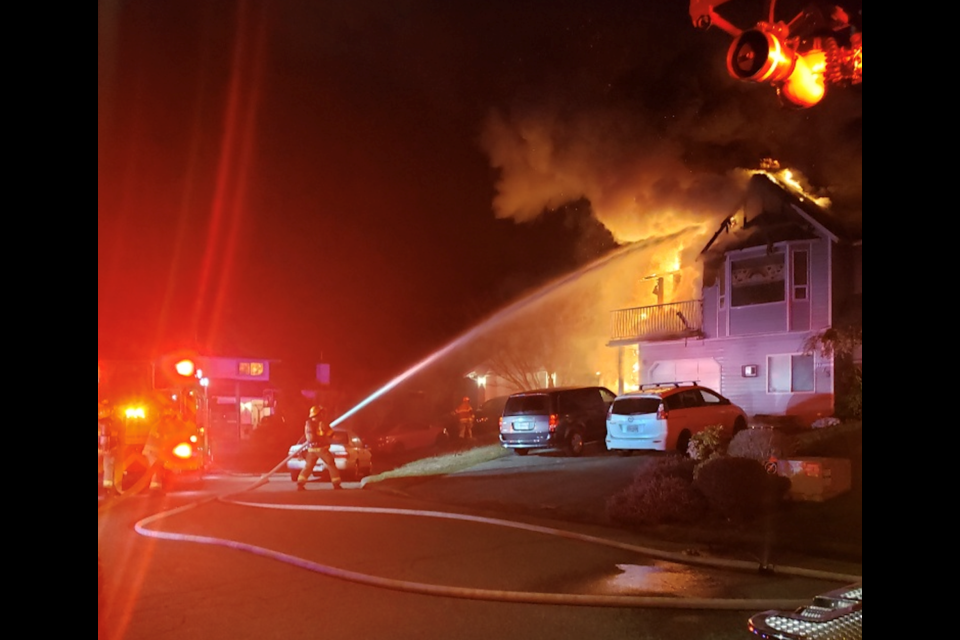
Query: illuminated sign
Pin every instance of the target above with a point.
(250, 369)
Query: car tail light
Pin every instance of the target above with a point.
(554, 421)
(662, 413)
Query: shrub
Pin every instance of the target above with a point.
(661, 492)
(672, 466)
(850, 400)
(838, 441)
(657, 499)
(763, 444)
(739, 488)
(706, 444)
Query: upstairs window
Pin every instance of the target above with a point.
(801, 275)
(758, 280)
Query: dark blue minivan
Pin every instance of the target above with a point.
(561, 418)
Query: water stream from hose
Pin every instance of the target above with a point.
(506, 313)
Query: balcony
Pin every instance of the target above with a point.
(659, 322)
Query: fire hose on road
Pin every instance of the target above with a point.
(717, 604)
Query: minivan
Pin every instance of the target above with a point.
(561, 418)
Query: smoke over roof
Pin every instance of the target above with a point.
(654, 139)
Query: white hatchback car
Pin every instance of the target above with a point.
(353, 458)
(663, 417)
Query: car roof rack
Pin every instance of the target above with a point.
(675, 385)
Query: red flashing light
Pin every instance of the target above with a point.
(185, 368)
(183, 451)
(554, 422)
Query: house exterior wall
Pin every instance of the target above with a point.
(821, 289)
(784, 279)
(810, 313)
(758, 319)
(753, 393)
(711, 312)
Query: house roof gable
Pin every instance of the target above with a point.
(796, 218)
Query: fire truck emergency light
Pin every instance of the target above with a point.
(183, 451)
(185, 368)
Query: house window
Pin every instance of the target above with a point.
(801, 275)
(251, 369)
(758, 280)
(790, 374)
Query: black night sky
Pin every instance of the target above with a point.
(304, 179)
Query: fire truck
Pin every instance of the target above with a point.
(150, 426)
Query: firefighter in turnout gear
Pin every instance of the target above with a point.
(160, 433)
(318, 434)
(465, 417)
(110, 446)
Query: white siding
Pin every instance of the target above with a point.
(820, 284)
(751, 393)
(705, 371)
(759, 319)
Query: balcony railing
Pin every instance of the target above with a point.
(659, 322)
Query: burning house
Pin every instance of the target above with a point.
(777, 274)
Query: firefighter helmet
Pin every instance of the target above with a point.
(317, 411)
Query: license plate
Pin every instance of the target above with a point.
(523, 426)
(632, 428)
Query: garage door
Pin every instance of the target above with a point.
(705, 371)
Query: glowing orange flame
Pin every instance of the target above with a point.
(788, 179)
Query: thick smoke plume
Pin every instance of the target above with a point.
(636, 182)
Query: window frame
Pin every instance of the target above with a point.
(792, 359)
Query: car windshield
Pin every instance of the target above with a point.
(527, 405)
(635, 406)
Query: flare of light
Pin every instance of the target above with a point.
(236, 154)
(806, 86)
(183, 451)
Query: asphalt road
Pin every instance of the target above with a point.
(157, 589)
